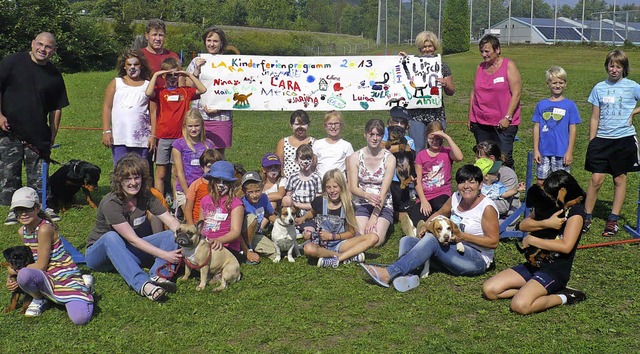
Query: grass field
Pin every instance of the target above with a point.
(299, 308)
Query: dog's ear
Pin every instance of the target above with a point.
(455, 230)
(430, 227)
(562, 193)
(7, 253)
(199, 226)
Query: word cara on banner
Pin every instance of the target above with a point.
(262, 83)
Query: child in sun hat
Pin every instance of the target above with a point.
(221, 211)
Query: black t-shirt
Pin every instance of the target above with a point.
(28, 93)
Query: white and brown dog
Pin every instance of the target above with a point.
(284, 234)
(444, 230)
(197, 254)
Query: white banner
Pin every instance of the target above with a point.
(262, 83)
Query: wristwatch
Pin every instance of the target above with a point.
(508, 117)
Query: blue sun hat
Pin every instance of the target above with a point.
(222, 170)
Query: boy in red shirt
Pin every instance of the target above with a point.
(173, 104)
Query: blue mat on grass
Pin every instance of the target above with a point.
(77, 256)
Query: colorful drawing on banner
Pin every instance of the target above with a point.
(320, 83)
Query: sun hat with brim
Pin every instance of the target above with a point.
(251, 177)
(222, 170)
(271, 159)
(25, 197)
(487, 165)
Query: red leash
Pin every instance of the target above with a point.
(173, 268)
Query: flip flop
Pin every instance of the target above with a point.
(373, 273)
(406, 282)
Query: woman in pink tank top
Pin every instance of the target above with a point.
(494, 107)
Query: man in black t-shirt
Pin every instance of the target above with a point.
(32, 95)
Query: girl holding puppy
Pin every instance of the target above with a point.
(336, 239)
(186, 154)
(222, 212)
(54, 275)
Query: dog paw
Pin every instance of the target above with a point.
(276, 260)
(460, 247)
(200, 287)
(291, 259)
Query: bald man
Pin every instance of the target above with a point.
(32, 95)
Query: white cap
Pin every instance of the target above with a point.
(25, 197)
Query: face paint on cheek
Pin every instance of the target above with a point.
(222, 188)
(304, 163)
(273, 173)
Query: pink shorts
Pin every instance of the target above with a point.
(219, 132)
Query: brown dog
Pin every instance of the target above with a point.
(17, 258)
(444, 230)
(197, 254)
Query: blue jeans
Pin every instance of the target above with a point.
(111, 251)
(415, 252)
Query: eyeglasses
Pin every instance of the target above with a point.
(20, 211)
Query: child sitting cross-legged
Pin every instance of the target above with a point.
(336, 238)
(258, 212)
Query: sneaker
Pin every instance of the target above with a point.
(586, 225)
(358, 258)
(329, 262)
(11, 219)
(35, 308)
(573, 295)
(52, 214)
(88, 282)
(610, 229)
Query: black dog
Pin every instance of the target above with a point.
(17, 258)
(543, 208)
(397, 145)
(68, 180)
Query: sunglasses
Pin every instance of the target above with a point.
(19, 211)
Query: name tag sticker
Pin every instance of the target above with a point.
(302, 193)
(173, 98)
(559, 111)
(220, 216)
(195, 162)
(498, 80)
(139, 221)
(608, 99)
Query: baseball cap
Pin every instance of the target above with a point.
(271, 159)
(399, 112)
(487, 165)
(25, 197)
(251, 176)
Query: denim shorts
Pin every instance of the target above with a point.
(366, 210)
(547, 281)
(334, 245)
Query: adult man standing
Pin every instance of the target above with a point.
(155, 51)
(32, 95)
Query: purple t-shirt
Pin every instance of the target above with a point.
(191, 159)
(436, 172)
(217, 219)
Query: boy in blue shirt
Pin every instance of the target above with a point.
(554, 127)
(613, 146)
(258, 212)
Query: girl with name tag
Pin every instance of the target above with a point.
(222, 211)
(303, 186)
(186, 154)
(122, 239)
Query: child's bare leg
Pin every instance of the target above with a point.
(357, 245)
(592, 191)
(158, 180)
(313, 250)
(619, 193)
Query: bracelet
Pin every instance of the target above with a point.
(152, 136)
(106, 131)
(333, 236)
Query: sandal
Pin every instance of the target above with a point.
(152, 292)
(166, 284)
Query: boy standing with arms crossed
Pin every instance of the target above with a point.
(554, 127)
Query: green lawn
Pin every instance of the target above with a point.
(299, 308)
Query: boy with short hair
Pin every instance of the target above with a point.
(554, 128)
(173, 104)
(258, 212)
(200, 187)
(491, 185)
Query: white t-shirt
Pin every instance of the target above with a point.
(471, 222)
(332, 156)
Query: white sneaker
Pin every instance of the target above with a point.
(11, 219)
(88, 282)
(52, 214)
(35, 308)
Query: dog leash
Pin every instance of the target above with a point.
(173, 268)
(46, 158)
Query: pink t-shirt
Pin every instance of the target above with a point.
(436, 172)
(492, 96)
(217, 219)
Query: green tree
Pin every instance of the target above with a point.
(369, 10)
(271, 14)
(591, 6)
(481, 15)
(522, 8)
(455, 30)
(351, 20)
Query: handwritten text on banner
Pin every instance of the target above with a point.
(264, 83)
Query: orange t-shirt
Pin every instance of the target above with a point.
(173, 105)
(197, 190)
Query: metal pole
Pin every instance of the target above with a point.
(439, 19)
(613, 28)
(600, 32)
(379, 28)
(626, 27)
(489, 26)
(399, 18)
(555, 22)
(531, 23)
(509, 24)
(426, 3)
(411, 20)
(386, 21)
(470, 19)
(582, 29)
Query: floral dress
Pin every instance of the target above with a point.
(371, 181)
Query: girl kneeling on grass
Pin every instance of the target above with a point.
(54, 275)
(336, 240)
(535, 288)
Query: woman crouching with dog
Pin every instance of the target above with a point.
(541, 285)
(476, 218)
(54, 275)
(122, 239)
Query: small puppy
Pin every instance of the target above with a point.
(197, 254)
(284, 234)
(69, 179)
(445, 231)
(17, 258)
(405, 157)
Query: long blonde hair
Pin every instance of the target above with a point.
(345, 196)
(194, 116)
